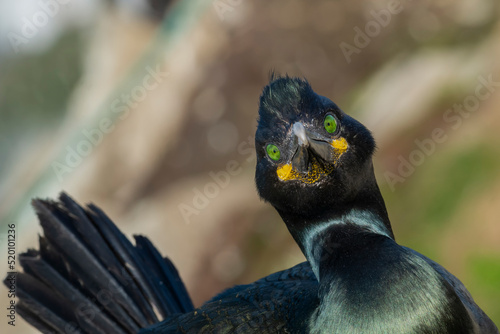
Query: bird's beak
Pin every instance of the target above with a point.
(308, 145)
(300, 160)
(314, 156)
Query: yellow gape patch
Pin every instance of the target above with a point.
(340, 146)
(317, 170)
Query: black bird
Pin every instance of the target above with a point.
(314, 165)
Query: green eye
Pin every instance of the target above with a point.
(330, 124)
(273, 152)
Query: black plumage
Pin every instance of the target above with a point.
(88, 276)
(314, 165)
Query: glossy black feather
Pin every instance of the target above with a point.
(67, 240)
(88, 277)
(279, 303)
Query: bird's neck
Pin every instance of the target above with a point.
(321, 236)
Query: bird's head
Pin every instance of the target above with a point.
(311, 156)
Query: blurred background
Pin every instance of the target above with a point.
(148, 109)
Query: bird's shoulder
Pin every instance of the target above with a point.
(480, 318)
(272, 304)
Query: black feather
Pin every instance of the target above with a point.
(87, 277)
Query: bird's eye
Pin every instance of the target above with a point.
(273, 151)
(330, 124)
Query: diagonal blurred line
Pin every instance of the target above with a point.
(180, 19)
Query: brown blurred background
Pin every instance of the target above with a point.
(148, 109)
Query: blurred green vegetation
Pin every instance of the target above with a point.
(35, 91)
(435, 202)
(484, 271)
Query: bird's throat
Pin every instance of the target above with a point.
(320, 236)
(316, 171)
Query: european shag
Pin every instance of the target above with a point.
(314, 166)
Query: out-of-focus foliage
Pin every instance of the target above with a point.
(34, 94)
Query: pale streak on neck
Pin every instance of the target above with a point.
(366, 219)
